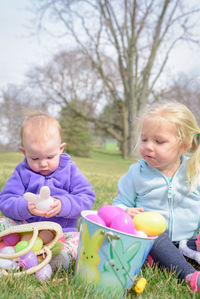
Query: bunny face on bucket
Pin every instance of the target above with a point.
(89, 257)
(117, 268)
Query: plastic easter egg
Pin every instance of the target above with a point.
(44, 273)
(37, 245)
(46, 236)
(8, 250)
(151, 223)
(28, 260)
(8, 264)
(26, 237)
(96, 219)
(108, 212)
(11, 239)
(123, 223)
(21, 245)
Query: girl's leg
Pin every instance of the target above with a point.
(166, 254)
(71, 243)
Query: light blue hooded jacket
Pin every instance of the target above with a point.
(146, 187)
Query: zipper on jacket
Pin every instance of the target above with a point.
(170, 201)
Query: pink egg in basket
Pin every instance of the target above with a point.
(11, 239)
(108, 212)
(123, 223)
(95, 218)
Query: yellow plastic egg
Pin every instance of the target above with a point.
(37, 245)
(151, 223)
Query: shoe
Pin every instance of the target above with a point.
(194, 280)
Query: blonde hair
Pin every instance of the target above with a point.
(187, 131)
(41, 123)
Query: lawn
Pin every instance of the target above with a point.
(103, 170)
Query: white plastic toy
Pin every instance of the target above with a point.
(185, 250)
(43, 201)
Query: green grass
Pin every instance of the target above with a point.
(103, 170)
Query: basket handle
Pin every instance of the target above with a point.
(24, 251)
(32, 269)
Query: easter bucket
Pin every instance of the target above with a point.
(107, 259)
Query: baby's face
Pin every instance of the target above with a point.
(43, 156)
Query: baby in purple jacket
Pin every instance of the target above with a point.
(46, 165)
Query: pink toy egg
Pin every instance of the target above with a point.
(28, 260)
(47, 236)
(108, 212)
(123, 223)
(96, 219)
(44, 273)
(11, 239)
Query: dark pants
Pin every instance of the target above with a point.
(167, 255)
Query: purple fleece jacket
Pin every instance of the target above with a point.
(67, 183)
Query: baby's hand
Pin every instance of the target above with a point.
(134, 211)
(55, 208)
(34, 211)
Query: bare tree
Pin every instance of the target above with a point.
(70, 77)
(183, 89)
(138, 35)
(14, 105)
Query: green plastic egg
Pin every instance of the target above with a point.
(21, 245)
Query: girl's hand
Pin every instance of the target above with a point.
(34, 211)
(134, 211)
(55, 208)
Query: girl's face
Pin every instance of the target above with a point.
(160, 146)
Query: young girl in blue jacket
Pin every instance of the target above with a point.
(45, 164)
(167, 181)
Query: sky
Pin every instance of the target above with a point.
(19, 51)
